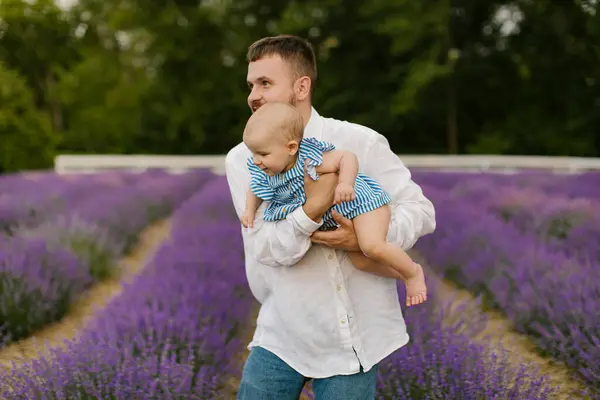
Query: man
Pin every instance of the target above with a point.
(320, 317)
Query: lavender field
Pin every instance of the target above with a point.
(528, 245)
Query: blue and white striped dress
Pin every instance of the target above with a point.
(285, 192)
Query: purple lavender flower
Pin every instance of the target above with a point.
(37, 284)
(51, 259)
(443, 362)
(172, 333)
(126, 211)
(29, 202)
(509, 250)
(92, 244)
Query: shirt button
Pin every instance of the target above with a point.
(330, 256)
(343, 321)
(339, 287)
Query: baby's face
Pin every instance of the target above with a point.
(271, 152)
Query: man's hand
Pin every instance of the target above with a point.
(319, 194)
(343, 238)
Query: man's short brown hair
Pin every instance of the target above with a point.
(296, 51)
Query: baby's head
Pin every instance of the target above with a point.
(273, 134)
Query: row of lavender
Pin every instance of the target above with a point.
(533, 252)
(72, 232)
(443, 361)
(26, 200)
(174, 332)
(583, 185)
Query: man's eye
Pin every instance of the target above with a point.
(265, 83)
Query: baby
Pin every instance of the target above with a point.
(274, 135)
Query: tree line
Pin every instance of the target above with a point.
(168, 76)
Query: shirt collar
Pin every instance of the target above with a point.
(314, 128)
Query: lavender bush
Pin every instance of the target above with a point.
(101, 228)
(548, 292)
(37, 285)
(126, 212)
(44, 268)
(584, 185)
(27, 202)
(91, 243)
(570, 225)
(443, 362)
(172, 333)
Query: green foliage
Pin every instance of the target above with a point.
(102, 101)
(416, 25)
(490, 143)
(102, 261)
(142, 76)
(17, 319)
(26, 137)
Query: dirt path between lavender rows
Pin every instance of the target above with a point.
(90, 302)
(500, 336)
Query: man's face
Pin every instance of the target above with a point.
(270, 79)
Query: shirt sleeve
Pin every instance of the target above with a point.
(412, 214)
(277, 244)
(258, 182)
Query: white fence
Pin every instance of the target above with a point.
(67, 164)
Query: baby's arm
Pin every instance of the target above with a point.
(346, 163)
(252, 204)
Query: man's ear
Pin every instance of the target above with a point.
(302, 87)
(292, 147)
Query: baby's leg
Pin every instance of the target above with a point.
(371, 231)
(360, 261)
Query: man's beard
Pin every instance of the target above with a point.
(292, 100)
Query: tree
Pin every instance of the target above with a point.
(26, 136)
(36, 40)
(422, 30)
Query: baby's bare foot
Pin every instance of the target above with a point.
(416, 289)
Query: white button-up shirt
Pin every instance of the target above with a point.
(318, 313)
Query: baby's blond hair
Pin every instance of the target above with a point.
(278, 118)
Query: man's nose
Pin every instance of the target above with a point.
(254, 95)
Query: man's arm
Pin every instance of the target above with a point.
(280, 243)
(412, 214)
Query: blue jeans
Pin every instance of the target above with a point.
(267, 377)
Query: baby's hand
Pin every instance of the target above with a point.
(344, 192)
(248, 220)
